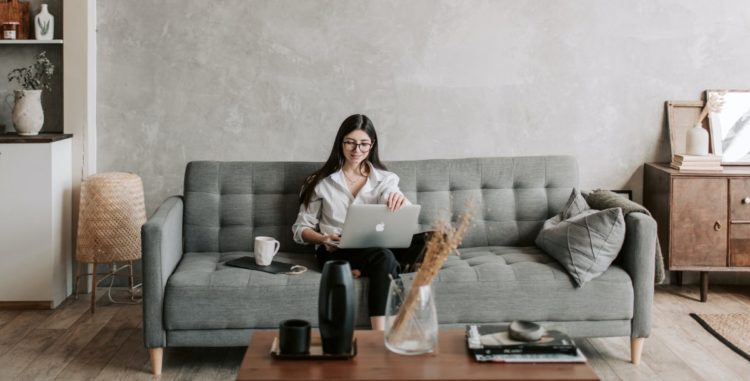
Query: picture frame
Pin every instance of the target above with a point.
(682, 116)
(730, 127)
(627, 193)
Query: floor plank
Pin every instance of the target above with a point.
(7, 316)
(664, 362)
(616, 353)
(15, 330)
(68, 346)
(695, 356)
(181, 363)
(600, 365)
(130, 363)
(742, 294)
(26, 351)
(68, 313)
(732, 302)
(95, 356)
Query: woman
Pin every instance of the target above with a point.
(353, 174)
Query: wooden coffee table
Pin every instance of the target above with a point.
(375, 362)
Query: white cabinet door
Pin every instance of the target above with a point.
(35, 222)
(25, 231)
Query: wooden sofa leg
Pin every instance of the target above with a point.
(636, 348)
(156, 355)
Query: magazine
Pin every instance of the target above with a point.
(494, 340)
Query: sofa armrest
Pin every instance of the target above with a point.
(161, 238)
(638, 259)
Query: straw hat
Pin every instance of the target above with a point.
(111, 213)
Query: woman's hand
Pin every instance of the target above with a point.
(395, 201)
(328, 238)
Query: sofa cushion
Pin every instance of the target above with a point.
(585, 244)
(483, 285)
(203, 293)
(500, 284)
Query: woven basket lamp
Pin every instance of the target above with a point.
(111, 213)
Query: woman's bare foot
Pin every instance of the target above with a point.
(377, 323)
(356, 273)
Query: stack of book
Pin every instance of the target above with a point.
(491, 343)
(696, 163)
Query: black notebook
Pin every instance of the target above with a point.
(249, 263)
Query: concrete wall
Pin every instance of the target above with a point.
(183, 80)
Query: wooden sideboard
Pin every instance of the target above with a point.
(703, 218)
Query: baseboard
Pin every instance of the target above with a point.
(26, 305)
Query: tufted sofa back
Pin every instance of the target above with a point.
(227, 204)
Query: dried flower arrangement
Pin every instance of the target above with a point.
(438, 247)
(714, 104)
(37, 76)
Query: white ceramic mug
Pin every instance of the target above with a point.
(265, 249)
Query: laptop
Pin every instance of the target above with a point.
(373, 225)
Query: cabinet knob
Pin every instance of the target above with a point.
(717, 225)
(746, 200)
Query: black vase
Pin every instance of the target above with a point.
(336, 308)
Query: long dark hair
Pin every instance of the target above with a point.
(336, 158)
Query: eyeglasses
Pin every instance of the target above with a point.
(352, 145)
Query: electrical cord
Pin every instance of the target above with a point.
(133, 291)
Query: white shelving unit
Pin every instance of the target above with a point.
(31, 42)
(78, 21)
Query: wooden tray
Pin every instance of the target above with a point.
(316, 352)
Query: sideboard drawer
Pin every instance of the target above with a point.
(739, 247)
(700, 219)
(739, 199)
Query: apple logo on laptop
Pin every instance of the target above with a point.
(380, 227)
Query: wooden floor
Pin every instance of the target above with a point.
(71, 344)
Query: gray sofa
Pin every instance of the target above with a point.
(192, 299)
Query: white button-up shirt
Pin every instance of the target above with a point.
(328, 206)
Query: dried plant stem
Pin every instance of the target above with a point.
(714, 103)
(441, 243)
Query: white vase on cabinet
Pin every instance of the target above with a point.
(696, 141)
(44, 24)
(28, 115)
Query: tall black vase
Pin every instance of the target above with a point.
(336, 307)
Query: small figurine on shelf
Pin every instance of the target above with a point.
(44, 24)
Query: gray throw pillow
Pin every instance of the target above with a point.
(575, 205)
(585, 244)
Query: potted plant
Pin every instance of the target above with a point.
(28, 116)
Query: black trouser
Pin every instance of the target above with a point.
(378, 264)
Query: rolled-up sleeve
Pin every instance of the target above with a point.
(390, 185)
(307, 218)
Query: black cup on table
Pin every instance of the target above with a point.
(294, 337)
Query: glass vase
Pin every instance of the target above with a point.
(411, 325)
